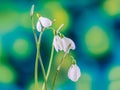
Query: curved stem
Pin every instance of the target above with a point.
(43, 71)
(34, 31)
(38, 56)
(36, 62)
(49, 67)
(42, 66)
(51, 56)
(57, 71)
(50, 62)
(54, 79)
(59, 67)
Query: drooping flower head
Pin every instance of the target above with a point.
(74, 73)
(43, 22)
(61, 42)
(57, 42)
(66, 42)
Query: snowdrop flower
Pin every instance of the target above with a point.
(63, 43)
(66, 42)
(58, 44)
(74, 73)
(32, 10)
(43, 22)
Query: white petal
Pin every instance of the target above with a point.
(58, 43)
(38, 26)
(45, 22)
(70, 41)
(66, 42)
(55, 43)
(74, 73)
(32, 10)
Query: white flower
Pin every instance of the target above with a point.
(74, 73)
(58, 44)
(43, 22)
(32, 10)
(63, 44)
(66, 42)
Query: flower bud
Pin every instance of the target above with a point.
(32, 10)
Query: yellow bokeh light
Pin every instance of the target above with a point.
(21, 48)
(54, 10)
(114, 73)
(115, 85)
(8, 21)
(25, 20)
(97, 41)
(112, 7)
(7, 74)
(84, 83)
(32, 86)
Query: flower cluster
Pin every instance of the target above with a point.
(60, 43)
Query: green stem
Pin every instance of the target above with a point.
(34, 30)
(54, 79)
(49, 67)
(36, 71)
(59, 67)
(52, 52)
(50, 62)
(43, 70)
(38, 56)
(57, 71)
(36, 62)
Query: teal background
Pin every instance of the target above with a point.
(94, 26)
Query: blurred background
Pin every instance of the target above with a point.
(94, 25)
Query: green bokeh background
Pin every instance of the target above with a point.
(94, 26)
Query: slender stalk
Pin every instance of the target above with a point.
(50, 62)
(54, 79)
(49, 67)
(57, 71)
(52, 52)
(59, 67)
(41, 63)
(36, 71)
(34, 31)
(51, 56)
(38, 56)
(60, 27)
(36, 62)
